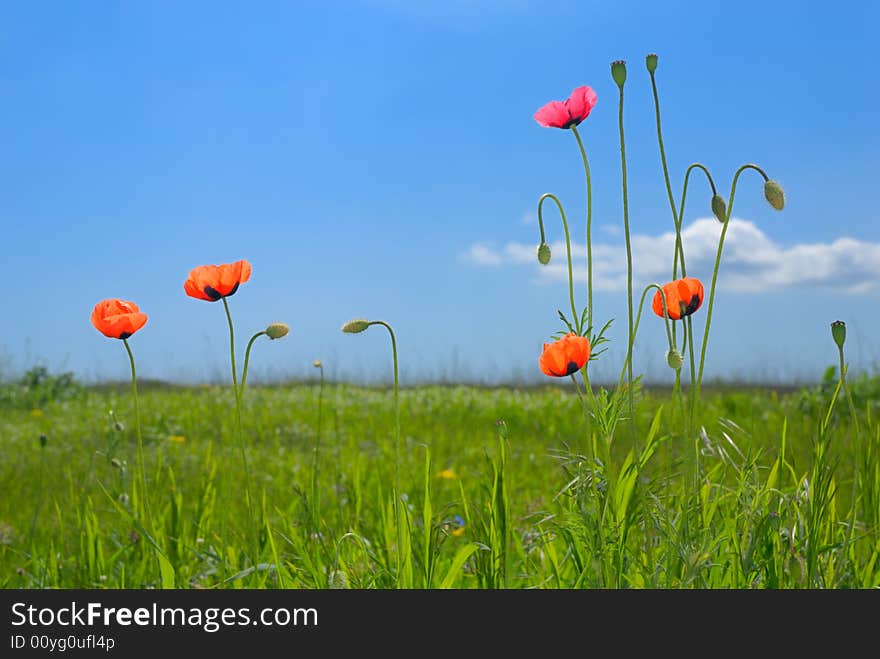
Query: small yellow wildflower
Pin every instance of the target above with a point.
(36, 413)
(177, 439)
(447, 475)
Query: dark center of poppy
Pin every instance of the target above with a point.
(693, 305)
(124, 335)
(212, 293)
(572, 367)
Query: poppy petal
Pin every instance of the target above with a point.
(553, 115)
(581, 103)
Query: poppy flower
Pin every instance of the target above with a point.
(568, 113)
(213, 282)
(117, 319)
(565, 356)
(683, 297)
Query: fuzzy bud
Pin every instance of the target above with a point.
(317, 363)
(618, 72)
(651, 62)
(774, 194)
(277, 330)
(674, 359)
(719, 208)
(355, 326)
(838, 332)
(543, 253)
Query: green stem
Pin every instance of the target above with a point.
(315, 502)
(679, 246)
(544, 197)
(140, 438)
(715, 274)
(629, 292)
(589, 225)
(849, 398)
(692, 392)
(666, 320)
(396, 402)
(247, 357)
(240, 430)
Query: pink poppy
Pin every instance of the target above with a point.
(565, 114)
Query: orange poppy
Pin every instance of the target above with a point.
(213, 282)
(565, 356)
(683, 297)
(117, 319)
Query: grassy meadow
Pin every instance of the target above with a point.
(500, 488)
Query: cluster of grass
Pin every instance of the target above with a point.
(502, 488)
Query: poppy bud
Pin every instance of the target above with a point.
(838, 332)
(774, 195)
(117, 463)
(719, 208)
(43, 441)
(355, 326)
(651, 62)
(618, 72)
(674, 359)
(543, 253)
(317, 363)
(277, 330)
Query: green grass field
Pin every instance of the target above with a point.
(502, 488)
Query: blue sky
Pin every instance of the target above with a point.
(380, 159)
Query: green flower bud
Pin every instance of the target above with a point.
(719, 208)
(838, 332)
(355, 326)
(618, 72)
(674, 359)
(651, 62)
(43, 441)
(774, 194)
(277, 330)
(543, 253)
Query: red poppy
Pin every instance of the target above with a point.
(212, 282)
(683, 297)
(565, 356)
(568, 113)
(117, 319)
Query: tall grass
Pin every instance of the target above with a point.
(786, 495)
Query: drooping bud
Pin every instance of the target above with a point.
(277, 330)
(543, 253)
(774, 194)
(719, 208)
(838, 332)
(674, 359)
(651, 62)
(618, 72)
(355, 326)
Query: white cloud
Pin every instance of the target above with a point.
(752, 261)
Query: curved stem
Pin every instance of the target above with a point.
(544, 197)
(589, 226)
(666, 320)
(137, 423)
(715, 273)
(240, 431)
(629, 293)
(247, 357)
(679, 246)
(396, 401)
